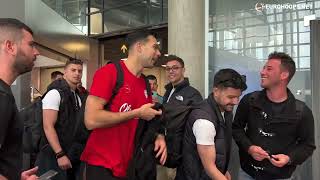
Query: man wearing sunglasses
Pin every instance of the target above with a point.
(208, 131)
(274, 131)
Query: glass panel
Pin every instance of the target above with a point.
(155, 12)
(288, 39)
(126, 17)
(127, 14)
(304, 37)
(165, 11)
(96, 5)
(304, 63)
(270, 18)
(73, 11)
(304, 50)
(96, 23)
(279, 17)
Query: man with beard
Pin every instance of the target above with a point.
(60, 105)
(17, 56)
(274, 131)
(208, 131)
(111, 144)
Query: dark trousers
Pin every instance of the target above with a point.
(46, 161)
(89, 172)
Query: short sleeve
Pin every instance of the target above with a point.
(51, 100)
(103, 82)
(204, 132)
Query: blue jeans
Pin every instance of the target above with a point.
(244, 176)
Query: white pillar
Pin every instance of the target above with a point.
(186, 28)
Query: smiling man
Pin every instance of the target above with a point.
(274, 131)
(179, 86)
(208, 132)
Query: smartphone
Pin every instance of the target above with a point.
(48, 175)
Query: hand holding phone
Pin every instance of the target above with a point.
(48, 175)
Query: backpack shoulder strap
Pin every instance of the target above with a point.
(119, 83)
(299, 108)
(149, 92)
(253, 96)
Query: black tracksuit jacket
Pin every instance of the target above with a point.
(289, 132)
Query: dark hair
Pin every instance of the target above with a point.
(14, 24)
(136, 36)
(74, 61)
(54, 74)
(286, 62)
(151, 77)
(175, 58)
(225, 78)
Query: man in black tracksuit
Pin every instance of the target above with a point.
(208, 132)
(274, 131)
(179, 90)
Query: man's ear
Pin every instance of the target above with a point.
(215, 91)
(284, 75)
(138, 46)
(10, 47)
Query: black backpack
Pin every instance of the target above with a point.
(31, 117)
(81, 132)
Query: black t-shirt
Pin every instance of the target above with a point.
(277, 107)
(11, 131)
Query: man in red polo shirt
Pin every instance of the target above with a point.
(111, 144)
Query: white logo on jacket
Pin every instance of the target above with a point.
(125, 107)
(179, 97)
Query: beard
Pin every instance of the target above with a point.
(23, 63)
(228, 107)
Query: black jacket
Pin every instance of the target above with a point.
(11, 130)
(191, 167)
(290, 132)
(183, 92)
(67, 115)
(143, 163)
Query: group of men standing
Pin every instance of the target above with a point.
(274, 131)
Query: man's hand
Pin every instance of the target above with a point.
(29, 174)
(228, 175)
(146, 112)
(64, 163)
(279, 160)
(257, 153)
(161, 148)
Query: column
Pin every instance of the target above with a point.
(186, 38)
